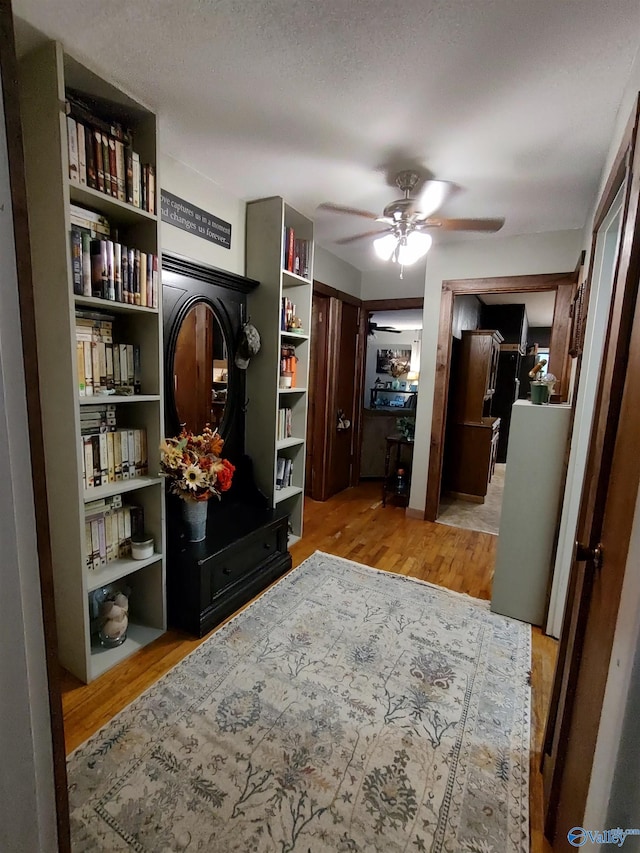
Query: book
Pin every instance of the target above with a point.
(128, 161)
(97, 153)
(82, 154)
(76, 260)
(113, 166)
(90, 159)
(80, 368)
(99, 262)
(143, 278)
(280, 472)
(104, 138)
(72, 146)
(151, 194)
(288, 472)
(121, 171)
(135, 178)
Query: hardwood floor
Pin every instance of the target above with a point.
(354, 525)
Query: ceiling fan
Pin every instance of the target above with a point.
(408, 219)
(374, 327)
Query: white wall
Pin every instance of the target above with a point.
(385, 282)
(27, 806)
(548, 252)
(187, 183)
(334, 272)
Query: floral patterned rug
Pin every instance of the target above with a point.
(347, 709)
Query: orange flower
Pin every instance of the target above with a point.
(225, 475)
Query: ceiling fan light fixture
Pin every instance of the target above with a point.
(384, 247)
(413, 247)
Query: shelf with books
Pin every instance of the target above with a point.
(276, 235)
(67, 319)
(107, 205)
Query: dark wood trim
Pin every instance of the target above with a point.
(343, 296)
(358, 415)
(181, 265)
(612, 475)
(10, 93)
(392, 304)
(559, 360)
(619, 170)
(450, 289)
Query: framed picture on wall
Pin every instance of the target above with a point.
(395, 362)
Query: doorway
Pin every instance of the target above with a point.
(479, 411)
(563, 284)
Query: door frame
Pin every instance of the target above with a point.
(588, 631)
(10, 95)
(563, 283)
(323, 428)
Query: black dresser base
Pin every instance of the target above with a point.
(245, 550)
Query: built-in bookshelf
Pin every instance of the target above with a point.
(95, 254)
(280, 256)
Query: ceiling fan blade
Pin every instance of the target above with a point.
(462, 224)
(432, 196)
(377, 233)
(351, 211)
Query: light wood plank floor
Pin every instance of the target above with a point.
(354, 525)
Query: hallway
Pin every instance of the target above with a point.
(354, 525)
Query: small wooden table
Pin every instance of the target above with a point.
(397, 442)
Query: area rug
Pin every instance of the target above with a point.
(347, 709)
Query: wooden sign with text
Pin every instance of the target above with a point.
(176, 211)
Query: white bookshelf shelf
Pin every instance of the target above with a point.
(96, 399)
(108, 205)
(116, 570)
(120, 487)
(289, 442)
(290, 279)
(292, 390)
(292, 337)
(110, 305)
(138, 636)
(286, 493)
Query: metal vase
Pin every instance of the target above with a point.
(195, 518)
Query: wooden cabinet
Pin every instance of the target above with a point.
(474, 383)
(473, 435)
(244, 551)
(473, 458)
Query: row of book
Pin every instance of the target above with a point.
(284, 472)
(101, 156)
(296, 256)
(283, 428)
(105, 268)
(104, 367)
(108, 528)
(113, 455)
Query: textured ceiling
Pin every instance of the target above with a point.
(513, 100)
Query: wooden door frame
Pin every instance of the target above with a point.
(566, 760)
(333, 321)
(10, 94)
(563, 282)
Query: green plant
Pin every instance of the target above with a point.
(407, 428)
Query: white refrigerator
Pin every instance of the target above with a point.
(534, 481)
